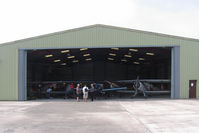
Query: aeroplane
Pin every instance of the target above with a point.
(62, 88)
(138, 86)
(144, 87)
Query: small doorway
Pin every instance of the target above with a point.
(192, 88)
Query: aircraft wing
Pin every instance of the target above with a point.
(147, 92)
(126, 91)
(147, 80)
(114, 89)
(158, 92)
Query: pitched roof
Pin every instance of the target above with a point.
(105, 26)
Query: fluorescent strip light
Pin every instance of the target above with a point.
(50, 55)
(70, 57)
(111, 54)
(74, 61)
(86, 55)
(110, 59)
(57, 60)
(141, 59)
(82, 49)
(136, 62)
(129, 56)
(88, 59)
(133, 50)
(124, 60)
(65, 51)
(150, 53)
(115, 48)
(63, 64)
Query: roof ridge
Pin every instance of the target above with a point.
(99, 25)
(49, 34)
(149, 32)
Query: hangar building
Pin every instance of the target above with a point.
(99, 52)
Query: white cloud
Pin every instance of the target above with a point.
(181, 23)
(21, 19)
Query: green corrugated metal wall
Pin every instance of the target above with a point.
(97, 36)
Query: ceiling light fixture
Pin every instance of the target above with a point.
(133, 50)
(82, 49)
(75, 61)
(65, 51)
(150, 53)
(57, 60)
(63, 64)
(88, 59)
(111, 54)
(136, 63)
(115, 48)
(86, 55)
(70, 57)
(129, 56)
(47, 56)
(110, 59)
(123, 60)
(141, 59)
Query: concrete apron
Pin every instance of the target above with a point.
(113, 116)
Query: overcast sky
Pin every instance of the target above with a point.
(20, 19)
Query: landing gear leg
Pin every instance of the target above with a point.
(145, 96)
(136, 92)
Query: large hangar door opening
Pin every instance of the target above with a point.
(59, 67)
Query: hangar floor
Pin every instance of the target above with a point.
(121, 116)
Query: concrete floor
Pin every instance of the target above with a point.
(110, 116)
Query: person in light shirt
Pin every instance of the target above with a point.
(78, 92)
(85, 93)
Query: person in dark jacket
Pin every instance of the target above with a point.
(92, 92)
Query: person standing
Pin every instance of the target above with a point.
(67, 91)
(48, 92)
(85, 93)
(92, 91)
(72, 90)
(39, 91)
(78, 92)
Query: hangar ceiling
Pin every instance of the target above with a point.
(129, 56)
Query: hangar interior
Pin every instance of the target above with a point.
(97, 65)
